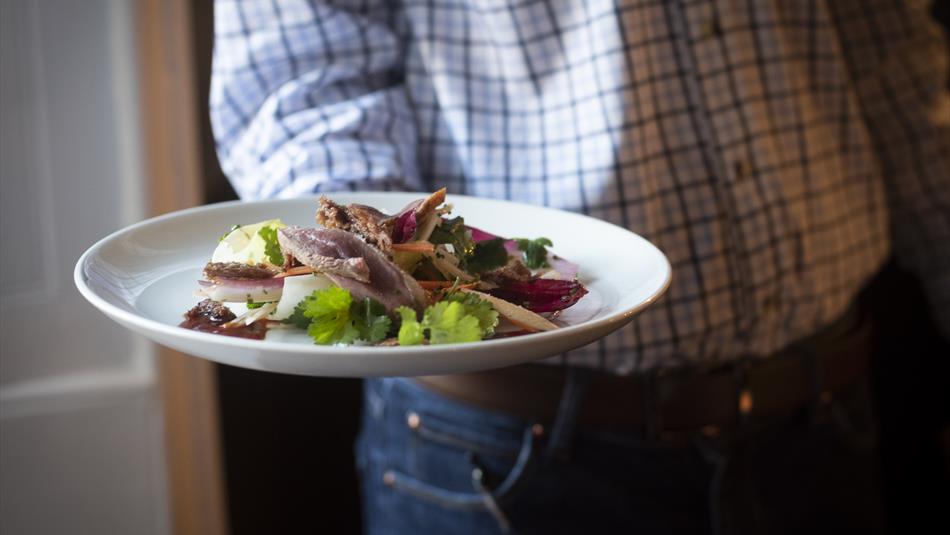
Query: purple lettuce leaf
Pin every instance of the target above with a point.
(541, 295)
(405, 226)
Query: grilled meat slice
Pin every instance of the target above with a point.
(372, 225)
(514, 270)
(353, 265)
(238, 270)
(329, 251)
(369, 223)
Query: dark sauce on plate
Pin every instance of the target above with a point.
(209, 317)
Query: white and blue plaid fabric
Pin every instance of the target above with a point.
(776, 151)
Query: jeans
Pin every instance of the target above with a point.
(429, 464)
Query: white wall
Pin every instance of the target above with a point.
(80, 424)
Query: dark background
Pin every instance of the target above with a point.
(288, 439)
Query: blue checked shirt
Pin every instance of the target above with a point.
(777, 152)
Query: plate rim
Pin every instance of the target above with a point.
(123, 316)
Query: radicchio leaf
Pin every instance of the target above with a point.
(541, 295)
(479, 235)
(405, 226)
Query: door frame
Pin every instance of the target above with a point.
(172, 155)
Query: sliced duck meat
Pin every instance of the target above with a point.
(372, 225)
(238, 270)
(375, 227)
(353, 265)
(514, 270)
(326, 250)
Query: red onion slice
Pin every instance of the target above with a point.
(242, 290)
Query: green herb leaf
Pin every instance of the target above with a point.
(329, 313)
(332, 317)
(271, 246)
(298, 319)
(460, 317)
(448, 323)
(251, 305)
(453, 232)
(478, 308)
(410, 332)
(535, 253)
(488, 255)
(370, 320)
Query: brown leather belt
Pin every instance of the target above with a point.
(685, 400)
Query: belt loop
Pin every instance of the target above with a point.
(572, 396)
(650, 403)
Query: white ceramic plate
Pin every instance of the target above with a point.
(144, 277)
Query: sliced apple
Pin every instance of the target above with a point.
(520, 316)
(295, 289)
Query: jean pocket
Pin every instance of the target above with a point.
(459, 456)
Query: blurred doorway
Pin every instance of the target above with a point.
(81, 433)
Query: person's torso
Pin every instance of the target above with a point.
(728, 135)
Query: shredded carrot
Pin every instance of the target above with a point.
(436, 285)
(414, 247)
(299, 270)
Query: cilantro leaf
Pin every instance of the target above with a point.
(460, 317)
(370, 320)
(478, 308)
(535, 253)
(271, 246)
(410, 332)
(298, 319)
(448, 324)
(329, 313)
(332, 317)
(488, 255)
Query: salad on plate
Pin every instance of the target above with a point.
(420, 276)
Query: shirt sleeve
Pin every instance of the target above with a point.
(898, 59)
(307, 96)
